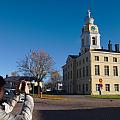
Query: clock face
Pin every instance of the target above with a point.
(93, 28)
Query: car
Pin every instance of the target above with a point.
(9, 93)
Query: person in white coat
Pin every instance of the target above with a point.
(7, 107)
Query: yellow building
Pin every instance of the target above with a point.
(94, 70)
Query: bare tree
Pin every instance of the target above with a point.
(14, 73)
(37, 64)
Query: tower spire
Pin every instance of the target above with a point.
(89, 9)
(89, 19)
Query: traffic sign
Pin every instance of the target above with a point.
(100, 80)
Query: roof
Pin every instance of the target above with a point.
(19, 78)
(74, 56)
(105, 50)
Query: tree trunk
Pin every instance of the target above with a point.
(39, 90)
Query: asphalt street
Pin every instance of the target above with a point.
(75, 108)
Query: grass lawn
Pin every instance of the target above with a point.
(52, 97)
(106, 96)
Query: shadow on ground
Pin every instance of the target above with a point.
(82, 114)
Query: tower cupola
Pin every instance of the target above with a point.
(90, 38)
(89, 19)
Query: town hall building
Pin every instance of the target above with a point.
(94, 70)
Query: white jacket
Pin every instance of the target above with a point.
(26, 112)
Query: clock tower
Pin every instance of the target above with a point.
(90, 38)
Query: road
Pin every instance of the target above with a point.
(75, 108)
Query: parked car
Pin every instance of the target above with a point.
(9, 94)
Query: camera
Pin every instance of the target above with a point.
(23, 86)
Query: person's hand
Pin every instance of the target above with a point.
(17, 88)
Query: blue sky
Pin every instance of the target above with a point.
(52, 25)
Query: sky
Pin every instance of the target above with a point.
(52, 25)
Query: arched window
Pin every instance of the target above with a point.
(94, 42)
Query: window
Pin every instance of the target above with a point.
(71, 65)
(68, 75)
(106, 70)
(86, 87)
(114, 59)
(80, 62)
(86, 70)
(80, 73)
(83, 61)
(65, 69)
(65, 76)
(107, 87)
(79, 87)
(97, 87)
(86, 59)
(96, 58)
(68, 66)
(70, 87)
(106, 59)
(97, 70)
(77, 73)
(116, 86)
(77, 63)
(83, 71)
(83, 88)
(71, 74)
(94, 41)
(115, 70)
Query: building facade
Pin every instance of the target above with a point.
(94, 70)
